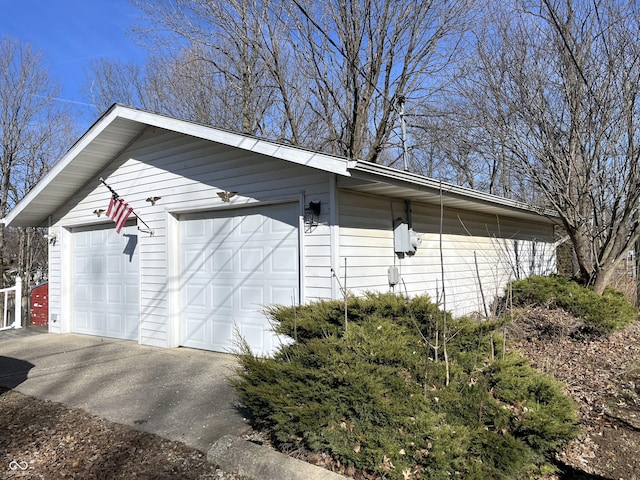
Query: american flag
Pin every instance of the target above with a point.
(119, 211)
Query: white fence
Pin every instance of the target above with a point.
(11, 299)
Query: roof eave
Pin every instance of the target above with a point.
(13, 218)
(112, 133)
(375, 172)
(34, 209)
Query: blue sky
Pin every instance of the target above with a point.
(71, 34)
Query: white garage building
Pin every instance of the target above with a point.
(226, 224)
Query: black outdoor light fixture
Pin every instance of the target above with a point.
(312, 214)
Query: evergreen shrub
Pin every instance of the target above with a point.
(375, 396)
(602, 314)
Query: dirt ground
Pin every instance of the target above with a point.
(603, 375)
(45, 440)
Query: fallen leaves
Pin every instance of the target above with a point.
(601, 374)
(57, 442)
(387, 464)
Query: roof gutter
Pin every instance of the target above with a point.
(361, 168)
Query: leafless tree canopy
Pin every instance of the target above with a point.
(33, 131)
(553, 98)
(322, 74)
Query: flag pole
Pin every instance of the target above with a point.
(116, 197)
(113, 192)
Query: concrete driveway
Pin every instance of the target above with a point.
(181, 394)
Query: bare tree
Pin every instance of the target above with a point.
(556, 87)
(364, 56)
(113, 82)
(323, 74)
(443, 149)
(219, 50)
(33, 130)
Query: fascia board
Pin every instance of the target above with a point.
(301, 156)
(62, 164)
(390, 175)
(292, 154)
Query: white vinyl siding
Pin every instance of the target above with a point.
(480, 253)
(187, 173)
(55, 291)
(366, 241)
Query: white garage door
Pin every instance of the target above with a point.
(104, 299)
(232, 265)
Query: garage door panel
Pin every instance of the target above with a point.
(253, 334)
(223, 227)
(99, 240)
(81, 319)
(254, 263)
(197, 327)
(252, 260)
(96, 321)
(222, 297)
(196, 230)
(195, 296)
(114, 265)
(132, 324)
(281, 227)
(81, 266)
(115, 294)
(131, 270)
(193, 259)
(105, 290)
(115, 323)
(97, 297)
(221, 330)
(132, 300)
(282, 295)
(251, 225)
(251, 298)
(80, 239)
(222, 260)
(284, 260)
(81, 293)
(98, 264)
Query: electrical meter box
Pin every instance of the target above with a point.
(405, 240)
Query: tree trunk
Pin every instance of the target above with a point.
(636, 255)
(603, 278)
(2, 285)
(581, 247)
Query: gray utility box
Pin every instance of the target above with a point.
(405, 240)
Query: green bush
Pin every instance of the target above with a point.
(601, 314)
(375, 396)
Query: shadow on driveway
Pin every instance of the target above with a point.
(13, 371)
(180, 394)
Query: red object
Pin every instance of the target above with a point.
(118, 211)
(39, 305)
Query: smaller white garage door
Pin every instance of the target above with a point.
(104, 298)
(233, 264)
